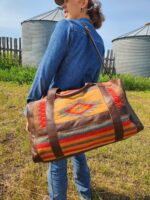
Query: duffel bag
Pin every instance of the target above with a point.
(69, 122)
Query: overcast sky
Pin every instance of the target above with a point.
(122, 16)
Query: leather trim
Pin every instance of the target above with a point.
(51, 127)
(77, 91)
(35, 155)
(114, 114)
(133, 117)
(80, 122)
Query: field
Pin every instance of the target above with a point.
(120, 171)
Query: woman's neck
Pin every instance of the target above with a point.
(82, 15)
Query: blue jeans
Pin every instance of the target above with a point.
(58, 182)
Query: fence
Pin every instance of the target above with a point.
(109, 62)
(11, 46)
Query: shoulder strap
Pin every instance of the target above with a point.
(97, 51)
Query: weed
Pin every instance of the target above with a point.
(118, 171)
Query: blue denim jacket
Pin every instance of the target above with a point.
(70, 59)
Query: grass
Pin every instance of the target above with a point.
(120, 171)
(11, 72)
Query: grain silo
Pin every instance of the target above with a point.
(36, 33)
(132, 52)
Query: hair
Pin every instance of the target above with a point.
(95, 13)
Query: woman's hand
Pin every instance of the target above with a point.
(27, 128)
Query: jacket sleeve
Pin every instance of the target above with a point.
(53, 56)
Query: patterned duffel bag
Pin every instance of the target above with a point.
(69, 122)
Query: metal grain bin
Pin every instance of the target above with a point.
(132, 52)
(36, 33)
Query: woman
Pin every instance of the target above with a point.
(68, 63)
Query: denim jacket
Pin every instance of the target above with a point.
(70, 59)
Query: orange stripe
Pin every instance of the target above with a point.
(44, 149)
(87, 148)
(48, 150)
(48, 158)
(83, 138)
(84, 147)
(88, 145)
(63, 144)
(130, 125)
(133, 132)
(79, 139)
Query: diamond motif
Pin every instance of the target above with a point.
(79, 108)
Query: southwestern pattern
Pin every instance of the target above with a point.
(74, 121)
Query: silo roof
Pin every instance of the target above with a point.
(53, 15)
(142, 31)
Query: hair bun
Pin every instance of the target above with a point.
(95, 13)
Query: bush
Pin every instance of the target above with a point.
(18, 75)
(7, 61)
(25, 75)
(135, 82)
(130, 82)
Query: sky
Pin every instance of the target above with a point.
(122, 16)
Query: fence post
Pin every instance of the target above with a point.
(0, 45)
(20, 52)
(3, 45)
(15, 48)
(11, 47)
(109, 62)
(7, 44)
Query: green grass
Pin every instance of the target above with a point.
(25, 75)
(19, 75)
(132, 83)
(119, 171)
(8, 60)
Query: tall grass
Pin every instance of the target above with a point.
(11, 71)
(18, 75)
(8, 60)
(131, 82)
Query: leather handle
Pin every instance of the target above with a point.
(74, 92)
(51, 127)
(53, 92)
(115, 116)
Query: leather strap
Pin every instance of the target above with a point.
(114, 114)
(51, 127)
(87, 85)
(97, 51)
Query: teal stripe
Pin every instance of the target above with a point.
(108, 123)
(43, 139)
(64, 134)
(77, 144)
(124, 118)
(84, 129)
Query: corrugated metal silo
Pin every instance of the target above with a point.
(132, 52)
(36, 33)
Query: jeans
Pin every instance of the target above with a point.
(58, 182)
